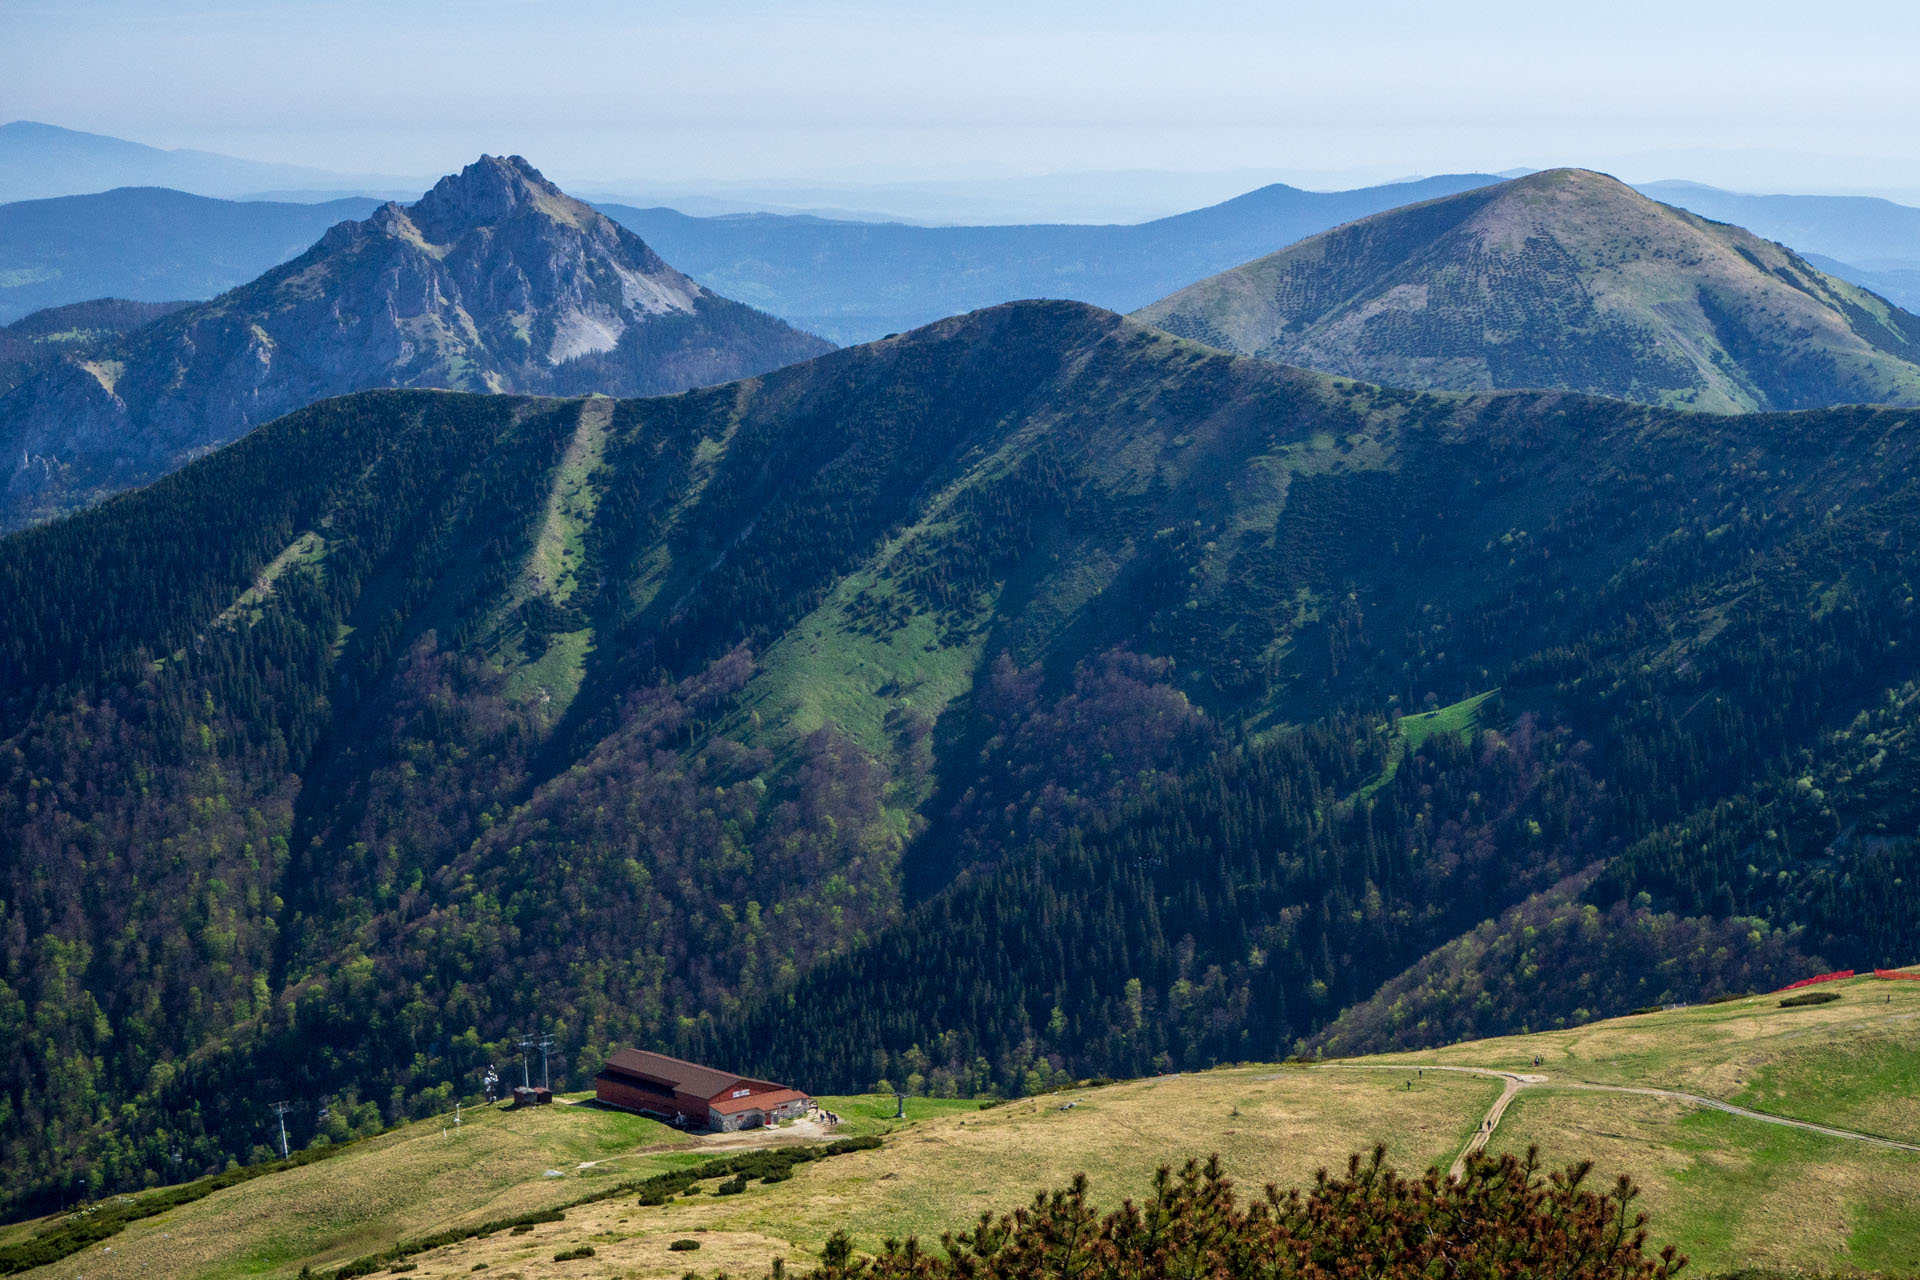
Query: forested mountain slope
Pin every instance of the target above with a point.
(79, 330)
(495, 280)
(1021, 696)
(1561, 279)
(1696, 780)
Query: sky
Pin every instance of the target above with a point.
(1756, 95)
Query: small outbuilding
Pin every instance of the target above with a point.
(537, 1096)
(692, 1096)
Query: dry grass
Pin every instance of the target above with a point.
(407, 1183)
(621, 1250)
(938, 1174)
(933, 1175)
(1854, 1063)
(1728, 1191)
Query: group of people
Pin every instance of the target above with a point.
(825, 1116)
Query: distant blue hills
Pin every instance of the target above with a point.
(856, 281)
(149, 244)
(38, 161)
(849, 281)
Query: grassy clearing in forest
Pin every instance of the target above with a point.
(1460, 718)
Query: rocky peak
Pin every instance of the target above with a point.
(494, 280)
(485, 193)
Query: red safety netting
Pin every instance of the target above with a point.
(1896, 973)
(1825, 977)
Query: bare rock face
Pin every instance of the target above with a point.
(495, 280)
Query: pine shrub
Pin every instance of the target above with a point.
(1502, 1219)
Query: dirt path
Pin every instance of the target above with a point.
(1716, 1104)
(800, 1131)
(1518, 1080)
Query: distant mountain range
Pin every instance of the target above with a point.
(855, 281)
(495, 280)
(149, 244)
(849, 281)
(1871, 242)
(39, 161)
(1564, 278)
(1895, 280)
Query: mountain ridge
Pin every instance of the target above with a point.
(856, 281)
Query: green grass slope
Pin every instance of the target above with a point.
(1731, 1191)
(1561, 279)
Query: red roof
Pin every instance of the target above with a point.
(756, 1101)
(677, 1073)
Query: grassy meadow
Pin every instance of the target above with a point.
(1729, 1191)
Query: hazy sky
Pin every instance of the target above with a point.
(1757, 95)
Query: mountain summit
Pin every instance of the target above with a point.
(1566, 279)
(495, 280)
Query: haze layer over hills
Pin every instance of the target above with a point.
(1017, 699)
(495, 280)
(857, 281)
(853, 281)
(1561, 279)
(42, 161)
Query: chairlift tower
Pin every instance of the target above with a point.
(280, 1110)
(544, 1043)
